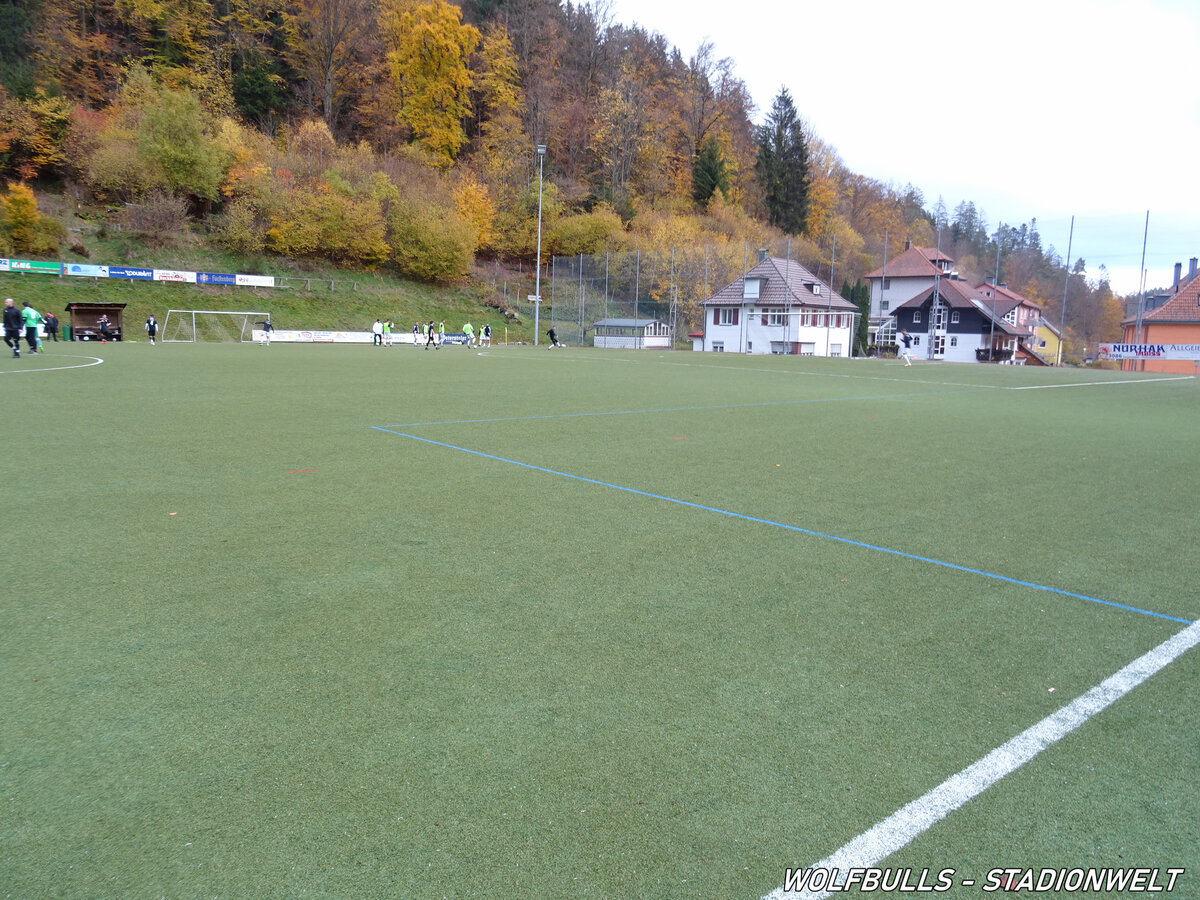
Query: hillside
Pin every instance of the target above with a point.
(313, 296)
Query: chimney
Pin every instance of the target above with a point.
(907, 244)
(1178, 270)
(1192, 267)
(762, 254)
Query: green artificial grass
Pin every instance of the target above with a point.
(270, 632)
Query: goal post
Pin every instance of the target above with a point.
(191, 325)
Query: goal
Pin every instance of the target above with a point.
(190, 325)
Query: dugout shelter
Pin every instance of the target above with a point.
(84, 316)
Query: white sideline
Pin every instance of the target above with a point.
(899, 829)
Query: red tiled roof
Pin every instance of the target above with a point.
(784, 283)
(915, 262)
(1005, 291)
(1183, 307)
(960, 295)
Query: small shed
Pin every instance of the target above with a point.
(86, 316)
(632, 334)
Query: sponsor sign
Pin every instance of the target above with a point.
(1150, 351)
(87, 271)
(138, 274)
(254, 280)
(173, 275)
(316, 337)
(29, 265)
(215, 278)
(3, 265)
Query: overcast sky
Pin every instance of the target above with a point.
(1030, 109)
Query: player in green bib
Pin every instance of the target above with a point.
(32, 319)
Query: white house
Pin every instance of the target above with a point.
(900, 279)
(779, 307)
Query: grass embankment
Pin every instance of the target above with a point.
(316, 296)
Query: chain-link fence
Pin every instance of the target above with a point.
(669, 286)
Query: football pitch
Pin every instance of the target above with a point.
(338, 621)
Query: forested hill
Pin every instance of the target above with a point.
(404, 134)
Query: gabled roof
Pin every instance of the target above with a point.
(960, 295)
(1183, 307)
(915, 262)
(1005, 292)
(785, 283)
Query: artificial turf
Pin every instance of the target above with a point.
(333, 621)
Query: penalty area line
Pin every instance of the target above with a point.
(903, 826)
(819, 534)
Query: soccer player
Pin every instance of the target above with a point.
(151, 327)
(485, 336)
(431, 333)
(904, 345)
(12, 327)
(106, 331)
(31, 319)
(469, 332)
(51, 321)
(553, 335)
(267, 328)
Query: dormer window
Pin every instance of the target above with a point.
(815, 288)
(751, 288)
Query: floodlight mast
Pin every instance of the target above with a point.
(537, 289)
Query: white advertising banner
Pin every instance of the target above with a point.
(174, 275)
(1150, 351)
(87, 271)
(332, 337)
(254, 280)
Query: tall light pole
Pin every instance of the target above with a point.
(537, 289)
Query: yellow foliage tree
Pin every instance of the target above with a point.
(428, 49)
(475, 207)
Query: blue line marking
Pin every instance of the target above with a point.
(819, 534)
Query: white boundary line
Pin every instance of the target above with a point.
(97, 361)
(900, 379)
(903, 826)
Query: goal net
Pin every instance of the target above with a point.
(189, 325)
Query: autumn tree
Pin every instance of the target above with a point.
(783, 166)
(322, 40)
(428, 48)
(174, 134)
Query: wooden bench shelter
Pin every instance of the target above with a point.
(84, 317)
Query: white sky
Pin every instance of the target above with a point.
(1030, 109)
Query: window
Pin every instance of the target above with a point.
(816, 289)
(725, 315)
(718, 346)
(887, 284)
(883, 305)
(808, 349)
(751, 288)
(835, 349)
(916, 316)
(775, 317)
(749, 346)
(916, 340)
(953, 341)
(954, 317)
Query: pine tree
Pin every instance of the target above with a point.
(710, 172)
(783, 166)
